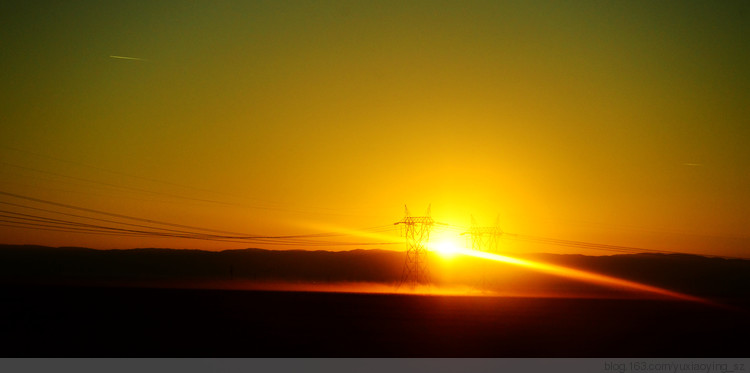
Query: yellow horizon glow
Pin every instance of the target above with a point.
(249, 116)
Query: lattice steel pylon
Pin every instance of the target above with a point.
(416, 230)
(485, 239)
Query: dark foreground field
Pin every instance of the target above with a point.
(132, 322)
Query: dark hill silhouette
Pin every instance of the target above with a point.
(123, 303)
(692, 274)
(30, 263)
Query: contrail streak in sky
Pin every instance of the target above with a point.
(128, 58)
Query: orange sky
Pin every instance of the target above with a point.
(619, 123)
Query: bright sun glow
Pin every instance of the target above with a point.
(446, 249)
(446, 245)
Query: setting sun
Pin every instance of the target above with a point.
(446, 249)
(446, 244)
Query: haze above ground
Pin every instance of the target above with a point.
(622, 123)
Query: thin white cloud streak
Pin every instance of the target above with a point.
(128, 58)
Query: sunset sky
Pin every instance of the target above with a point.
(623, 123)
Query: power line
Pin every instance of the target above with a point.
(383, 228)
(579, 244)
(21, 220)
(131, 188)
(156, 228)
(74, 227)
(243, 205)
(152, 221)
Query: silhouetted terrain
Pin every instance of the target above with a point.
(76, 302)
(37, 262)
(697, 275)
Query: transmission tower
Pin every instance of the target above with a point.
(416, 230)
(484, 239)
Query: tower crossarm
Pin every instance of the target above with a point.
(412, 220)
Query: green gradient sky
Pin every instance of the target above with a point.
(578, 120)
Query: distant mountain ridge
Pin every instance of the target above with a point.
(692, 274)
